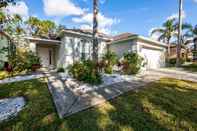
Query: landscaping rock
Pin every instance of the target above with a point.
(10, 107)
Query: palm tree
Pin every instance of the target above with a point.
(167, 31)
(178, 63)
(95, 30)
(4, 3)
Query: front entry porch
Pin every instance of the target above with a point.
(47, 50)
(47, 56)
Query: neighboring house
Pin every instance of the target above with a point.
(152, 51)
(68, 47)
(184, 52)
(194, 51)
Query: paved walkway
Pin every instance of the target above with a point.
(69, 101)
(173, 73)
(22, 78)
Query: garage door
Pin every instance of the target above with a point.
(154, 58)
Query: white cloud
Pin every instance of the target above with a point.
(105, 23)
(195, 1)
(19, 8)
(176, 16)
(61, 8)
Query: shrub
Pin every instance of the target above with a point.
(85, 71)
(1, 65)
(172, 61)
(109, 60)
(32, 59)
(131, 63)
(23, 60)
(60, 69)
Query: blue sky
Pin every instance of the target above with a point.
(117, 16)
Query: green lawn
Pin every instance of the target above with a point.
(167, 104)
(4, 74)
(191, 67)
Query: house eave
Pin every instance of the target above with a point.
(82, 34)
(137, 37)
(33, 39)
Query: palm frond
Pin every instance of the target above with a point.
(158, 30)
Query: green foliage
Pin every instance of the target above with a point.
(40, 27)
(85, 71)
(32, 59)
(109, 60)
(172, 61)
(60, 69)
(167, 104)
(23, 60)
(4, 3)
(131, 63)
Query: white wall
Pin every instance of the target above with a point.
(123, 47)
(72, 47)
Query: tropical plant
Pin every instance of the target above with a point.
(131, 63)
(4, 3)
(85, 71)
(167, 31)
(109, 60)
(60, 69)
(15, 25)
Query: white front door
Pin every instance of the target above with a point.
(45, 55)
(154, 58)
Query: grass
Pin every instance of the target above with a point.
(168, 104)
(5, 74)
(191, 67)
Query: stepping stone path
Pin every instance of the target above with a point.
(10, 107)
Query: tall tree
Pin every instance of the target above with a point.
(39, 27)
(178, 61)
(166, 32)
(4, 3)
(15, 25)
(95, 29)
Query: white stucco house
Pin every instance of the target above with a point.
(74, 44)
(70, 45)
(152, 51)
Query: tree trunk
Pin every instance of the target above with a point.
(168, 51)
(178, 61)
(95, 30)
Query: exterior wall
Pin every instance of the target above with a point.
(195, 50)
(75, 48)
(123, 47)
(156, 53)
(173, 53)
